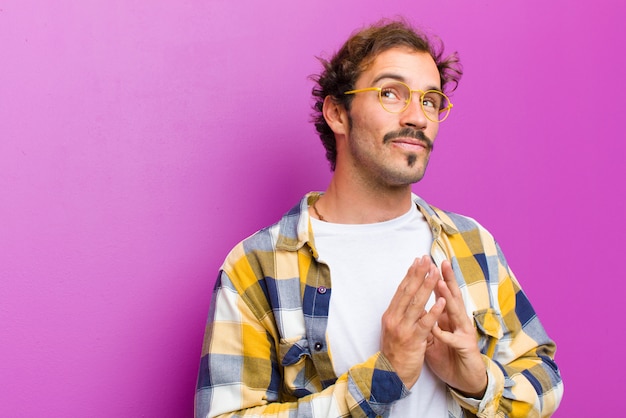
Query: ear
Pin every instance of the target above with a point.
(336, 116)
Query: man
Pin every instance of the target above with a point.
(422, 316)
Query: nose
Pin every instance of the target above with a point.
(413, 115)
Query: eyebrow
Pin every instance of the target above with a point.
(398, 77)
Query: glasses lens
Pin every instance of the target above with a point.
(394, 97)
(436, 105)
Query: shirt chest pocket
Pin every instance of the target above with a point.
(490, 329)
(298, 372)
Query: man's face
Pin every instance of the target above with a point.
(391, 149)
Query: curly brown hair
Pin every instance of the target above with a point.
(344, 68)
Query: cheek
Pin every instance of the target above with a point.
(362, 126)
(373, 117)
(432, 132)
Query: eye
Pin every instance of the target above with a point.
(432, 101)
(390, 93)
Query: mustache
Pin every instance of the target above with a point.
(409, 133)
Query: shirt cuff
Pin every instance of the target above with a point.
(488, 405)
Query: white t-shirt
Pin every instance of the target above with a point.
(367, 263)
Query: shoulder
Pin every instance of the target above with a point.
(461, 223)
(288, 233)
(455, 221)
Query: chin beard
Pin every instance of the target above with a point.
(411, 160)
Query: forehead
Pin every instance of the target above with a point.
(416, 68)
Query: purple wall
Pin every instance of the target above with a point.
(140, 140)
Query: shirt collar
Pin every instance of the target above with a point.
(294, 229)
(437, 224)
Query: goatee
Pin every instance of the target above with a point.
(411, 159)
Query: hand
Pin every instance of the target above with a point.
(452, 352)
(406, 325)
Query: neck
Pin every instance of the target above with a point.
(347, 204)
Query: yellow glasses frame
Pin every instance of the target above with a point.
(408, 101)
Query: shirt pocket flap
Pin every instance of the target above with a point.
(292, 350)
(489, 322)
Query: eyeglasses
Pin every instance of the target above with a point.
(395, 97)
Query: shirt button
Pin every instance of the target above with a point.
(321, 290)
(318, 346)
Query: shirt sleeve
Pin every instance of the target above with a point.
(246, 370)
(523, 379)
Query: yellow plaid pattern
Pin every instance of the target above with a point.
(265, 351)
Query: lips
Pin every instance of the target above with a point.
(411, 144)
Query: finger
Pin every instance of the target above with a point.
(454, 306)
(422, 294)
(402, 296)
(449, 289)
(444, 336)
(429, 320)
(456, 314)
(405, 294)
(406, 306)
(450, 278)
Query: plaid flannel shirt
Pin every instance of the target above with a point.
(265, 351)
